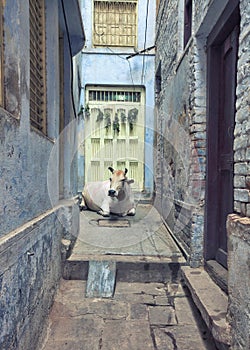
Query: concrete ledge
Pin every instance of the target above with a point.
(211, 302)
(129, 268)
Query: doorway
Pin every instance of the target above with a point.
(222, 71)
(114, 132)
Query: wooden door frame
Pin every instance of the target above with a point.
(227, 22)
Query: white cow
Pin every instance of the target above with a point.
(111, 196)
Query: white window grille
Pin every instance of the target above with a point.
(114, 96)
(115, 23)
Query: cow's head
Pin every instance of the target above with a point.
(117, 182)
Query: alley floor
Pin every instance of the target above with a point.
(149, 308)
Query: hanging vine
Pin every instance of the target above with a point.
(116, 124)
(132, 117)
(107, 117)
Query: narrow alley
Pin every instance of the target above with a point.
(122, 289)
(124, 174)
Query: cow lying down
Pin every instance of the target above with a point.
(111, 196)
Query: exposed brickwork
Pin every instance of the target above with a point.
(182, 153)
(181, 161)
(242, 126)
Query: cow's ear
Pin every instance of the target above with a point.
(125, 172)
(130, 181)
(111, 169)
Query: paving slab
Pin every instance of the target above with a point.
(131, 320)
(101, 279)
(162, 316)
(127, 335)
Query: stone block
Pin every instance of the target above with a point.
(162, 316)
(241, 168)
(126, 335)
(240, 142)
(241, 195)
(240, 155)
(239, 181)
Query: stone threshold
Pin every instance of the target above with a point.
(212, 303)
(129, 268)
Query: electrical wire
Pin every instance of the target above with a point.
(144, 48)
(123, 58)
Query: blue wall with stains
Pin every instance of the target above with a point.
(110, 66)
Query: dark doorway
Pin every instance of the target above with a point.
(222, 71)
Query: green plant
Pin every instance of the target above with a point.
(116, 124)
(123, 117)
(87, 111)
(132, 117)
(107, 117)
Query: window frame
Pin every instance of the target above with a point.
(188, 14)
(37, 24)
(107, 43)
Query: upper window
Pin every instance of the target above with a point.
(115, 23)
(114, 96)
(187, 21)
(37, 65)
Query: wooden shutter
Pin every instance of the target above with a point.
(37, 65)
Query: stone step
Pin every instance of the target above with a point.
(142, 269)
(212, 303)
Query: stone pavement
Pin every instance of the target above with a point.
(149, 309)
(140, 316)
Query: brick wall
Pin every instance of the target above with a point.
(181, 139)
(242, 126)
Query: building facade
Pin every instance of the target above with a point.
(118, 91)
(38, 42)
(203, 142)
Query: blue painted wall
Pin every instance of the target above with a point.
(110, 66)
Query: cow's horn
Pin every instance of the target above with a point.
(111, 169)
(126, 170)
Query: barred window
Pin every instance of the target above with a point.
(187, 21)
(114, 96)
(115, 23)
(37, 65)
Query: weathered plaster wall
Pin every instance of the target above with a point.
(182, 132)
(183, 99)
(32, 223)
(30, 274)
(239, 280)
(109, 66)
(24, 152)
(238, 226)
(183, 72)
